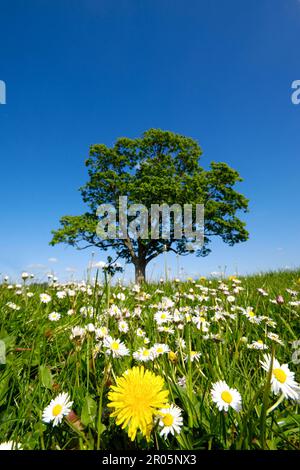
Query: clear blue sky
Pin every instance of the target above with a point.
(88, 71)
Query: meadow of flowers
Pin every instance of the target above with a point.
(200, 364)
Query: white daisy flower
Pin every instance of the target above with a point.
(159, 348)
(293, 293)
(90, 327)
(271, 323)
(45, 298)
(166, 303)
(201, 323)
(101, 332)
(71, 292)
(170, 420)
(177, 316)
(194, 356)
(252, 317)
(262, 292)
(282, 380)
(10, 445)
(115, 347)
(189, 296)
(54, 316)
(87, 311)
(237, 289)
(61, 294)
(182, 382)
(188, 317)
(166, 329)
(275, 337)
(181, 343)
(57, 409)
(259, 344)
(123, 326)
(126, 313)
(143, 354)
(226, 397)
(295, 303)
(114, 311)
(136, 288)
(77, 332)
(219, 315)
(121, 296)
(162, 317)
(137, 312)
(13, 306)
(140, 333)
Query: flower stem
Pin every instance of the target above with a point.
(277, 403)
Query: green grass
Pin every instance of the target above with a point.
(42, 361)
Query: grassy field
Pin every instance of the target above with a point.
(201, 342)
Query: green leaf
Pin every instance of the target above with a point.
(45, 377)
(4, 387)
(8, 340)
(89, 410)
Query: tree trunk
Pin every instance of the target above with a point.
(140, 271)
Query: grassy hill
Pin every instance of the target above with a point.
(198, 339)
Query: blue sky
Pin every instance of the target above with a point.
(89, 71)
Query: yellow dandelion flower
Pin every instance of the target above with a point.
(173, 357)
(137, 397)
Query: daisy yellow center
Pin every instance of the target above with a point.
(260, 341)
(280, 375)
(251, 313)
(146, 353)
(168, 419)
(202, 319)
(226, 396)
(57, 409)
(159, 350)
(163, 316)
(115, 346)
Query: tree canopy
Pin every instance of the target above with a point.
(160, 167)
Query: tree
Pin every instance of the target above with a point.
(160, 167)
